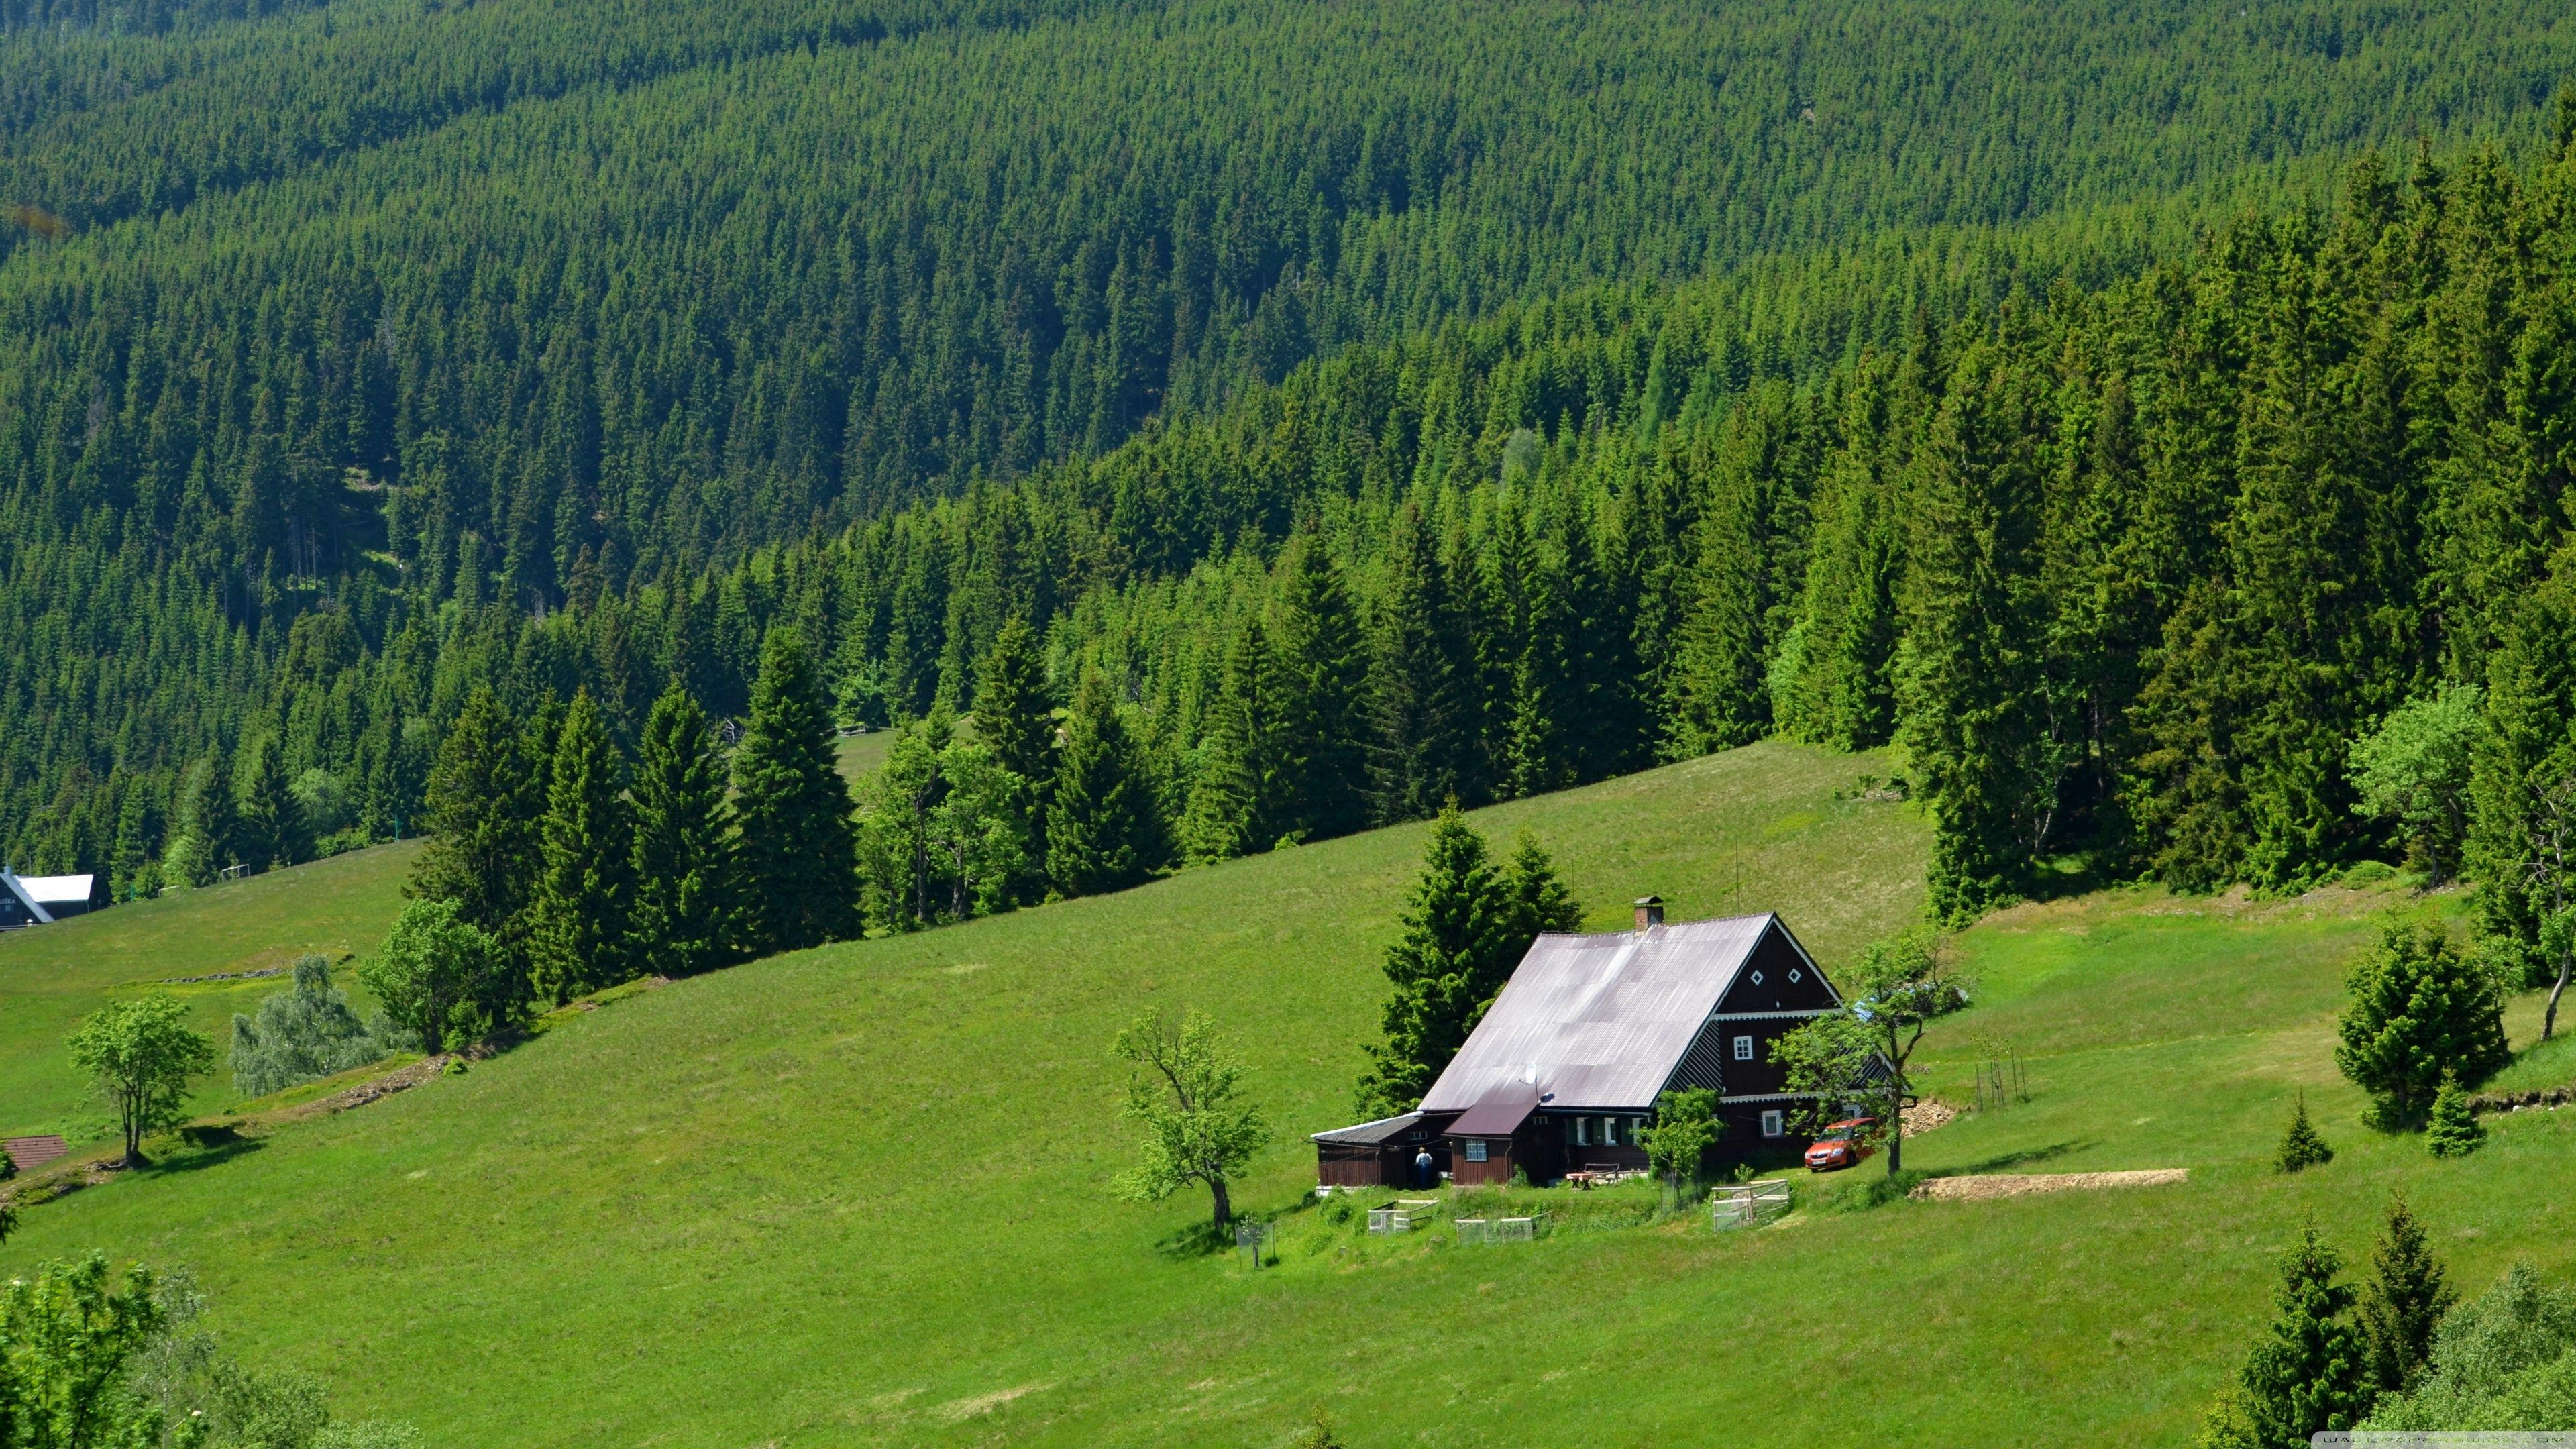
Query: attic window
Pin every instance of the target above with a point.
(1757, 978)
(1744, 1048)
(1793, 975)
(1773, 1126)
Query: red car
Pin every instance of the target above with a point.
(1843, 1144)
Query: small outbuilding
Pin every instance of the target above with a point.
(1562, 1072)
(1382, 1153)
(41, 900)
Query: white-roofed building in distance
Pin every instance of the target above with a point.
(41, 900)
(1563, 1070)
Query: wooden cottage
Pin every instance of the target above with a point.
(41, 900)
(1562, 1072)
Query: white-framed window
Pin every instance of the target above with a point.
(1582, 1131)
(1476, 1148)
(1744, 1048)
(1774, 1125)
(1609, 1131)
(1636, 1130)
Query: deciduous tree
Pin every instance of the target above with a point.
(1185, 1095)
(142, 1054)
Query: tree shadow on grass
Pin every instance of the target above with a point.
(198, 1148)
(2009, 1160)
(1201, 1239)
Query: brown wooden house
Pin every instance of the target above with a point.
(1563, 1070)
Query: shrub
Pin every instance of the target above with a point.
(2454, 1130)
(303, 1034)
(2420, 1007)
(2505, 1361)
(1876, 1192)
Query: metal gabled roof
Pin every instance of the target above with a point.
(16, 886)
(1599, 1021)
(1370, 1134)
(53, 890)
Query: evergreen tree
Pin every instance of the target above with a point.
(2310, 1373)
(2403, 1303)
(1105, 829)
(2452, 1129)
(1241, 801)
(2523, 770)
(794, 852)
(683, 865)
(1974, 687)
(2302, 1147)
(580, 913)
(484, 809)
(1015, 719)
(1456, 951)
(271, 830)
(1539, 902)
(207, 836)
(1324, 663)
(1422, 687)
(2421, 1010)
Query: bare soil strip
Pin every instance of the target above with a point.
(1976, 1189)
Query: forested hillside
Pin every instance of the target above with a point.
(359, 353)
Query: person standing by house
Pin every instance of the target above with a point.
(1422, 1176)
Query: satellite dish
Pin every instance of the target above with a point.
(1529, 1074)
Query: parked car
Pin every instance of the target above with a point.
(1843, 1144)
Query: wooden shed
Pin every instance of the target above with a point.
(1380, 1153)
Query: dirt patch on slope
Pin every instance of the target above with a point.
(1977, 1189)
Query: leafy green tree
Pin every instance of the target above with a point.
(433, 967)
(795, 859)
(1685, 1127)
(2503, 1361)
(1859, 1053)
(142, 1054)
(2311, 1371)
(1325, 660)
(979, 829)
(74, 1334)
(2413, 771)
(2403, 1303)
(1185, 1096)
(684, 903)
(302, 1034)
(1454, 955)
(2302, 1147)
(898, 866)
(580, 915)
(1105, 829)
(2420, 1009)
(2452, 1129)
(271, 829)
(484, 809)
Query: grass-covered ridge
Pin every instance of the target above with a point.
(860, 1194)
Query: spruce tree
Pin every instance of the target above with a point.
(1014, 713)
(1456, 951)
(1974, 707)
(2523, 768)
(1540, 903)
(2403, 1303)
(2310, 1373)
(1105, 829)
(2421, 1010)
(206, 838)
(1324, 660)
(579, 916)
(1422, 699)
(271, 829)
(2301, 1147)
(794, 852)
(2452, 1129)
(484, 809)
(1240, 803)
(683, 864)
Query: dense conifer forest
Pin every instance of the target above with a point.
(1264, 420)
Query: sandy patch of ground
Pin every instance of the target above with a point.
(1974, 1189)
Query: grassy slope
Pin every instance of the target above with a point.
(859, 1194)
(52, 976)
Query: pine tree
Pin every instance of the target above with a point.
(1715, 694)
(1105, 829)
(1540, 903)
(1974, 711)
(1422, 684)
(2523, 762)
(271, 829)
(2451, 1129)
(484, 808)
(209, 832)
(1015, 715)
(2301, 1147)
(2421, 1011)
(2403, 1303)
(795, 855)
(683, 864)
(1324, 660)
(2309, 1374)
(1457, 950)
(580, 913)
(1240, 802)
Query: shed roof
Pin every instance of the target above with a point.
(1500, 1114)
(1600, 1021)
(48, 890)
(1371, 1134)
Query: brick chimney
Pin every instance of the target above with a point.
(1650, 913)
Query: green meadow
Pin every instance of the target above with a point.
(861, 1194)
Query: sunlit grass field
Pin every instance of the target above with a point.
(861, 1194)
